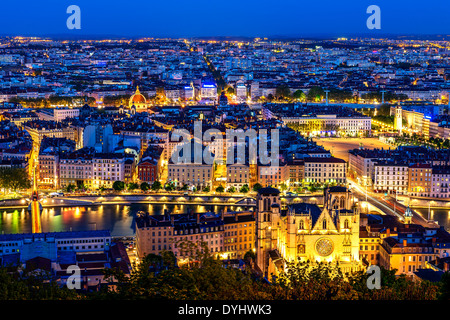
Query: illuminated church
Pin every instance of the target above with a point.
(137, 102)
(307, 232)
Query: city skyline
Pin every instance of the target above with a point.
(257, 150)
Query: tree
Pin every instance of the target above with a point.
(249, 255)
(446, 143)
(14, 178)
(244, 189)
(256, 187)
(70, 187)
(156, 186)
(340, 95)
(169, 186)
(384, 110)
(82, 187)
(118, 185)
(185, 187)
(144, 186)
(206, 189)
(220, 189)
(132, 186)
(315, 94)
(299, 95)
(231, 189)
(283, 91)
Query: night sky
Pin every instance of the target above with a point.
(197, 18)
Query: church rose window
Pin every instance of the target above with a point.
(324, 247)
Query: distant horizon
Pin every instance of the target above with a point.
(311, 36)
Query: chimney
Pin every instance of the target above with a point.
(388, 232)
(445, 266)
(405, 243)
(172, 219)
(236, 216)
(395, 229)
(198, 217)
(221, 215)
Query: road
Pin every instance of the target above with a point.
(389, 205)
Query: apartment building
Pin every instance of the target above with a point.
(325, 170)
(92, 170)
(296, 171)
(238, 175)
(440, 177)
(390, 177)
(419, 176)
(107, 168)
(273, 175)
(406, 255)
(226, 235)
(239, 234)
(194, 175)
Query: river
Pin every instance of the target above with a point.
(442, 216)
(119, 219)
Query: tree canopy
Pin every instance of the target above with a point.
(14, 178)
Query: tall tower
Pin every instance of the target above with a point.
(398, 119)
(268, 213)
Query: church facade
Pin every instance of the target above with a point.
(307, 232)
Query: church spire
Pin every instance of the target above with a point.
(408, 215)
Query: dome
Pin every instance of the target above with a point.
(137, 98)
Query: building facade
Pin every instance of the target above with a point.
(307, 232)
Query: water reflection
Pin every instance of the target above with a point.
(442, 216)
(117, 218)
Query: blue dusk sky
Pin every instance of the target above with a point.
(204, 18)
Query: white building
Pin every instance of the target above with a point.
(241, 91)
(325, 170)
(58, 114)
(390, 178)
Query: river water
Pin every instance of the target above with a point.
(442, 216)
(119, 219)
